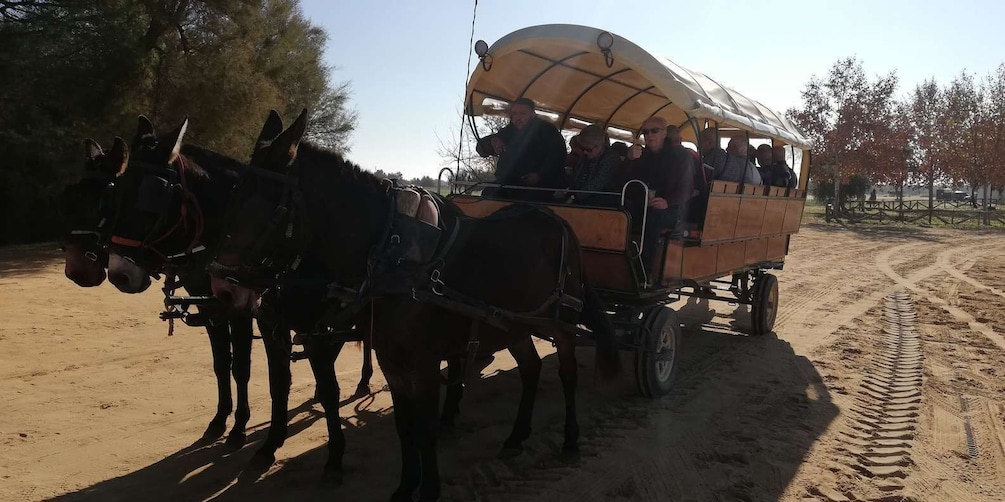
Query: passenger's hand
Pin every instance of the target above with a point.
(497, 145)
(531, 178)
(658, 203)
(635, 152)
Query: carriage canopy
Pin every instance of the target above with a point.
(585, 75)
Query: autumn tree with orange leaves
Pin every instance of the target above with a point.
(850, 117)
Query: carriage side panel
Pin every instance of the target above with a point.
(793, 212)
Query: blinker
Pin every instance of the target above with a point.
(154, 195)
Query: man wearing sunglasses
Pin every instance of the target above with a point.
(669, 171)
(531, 153)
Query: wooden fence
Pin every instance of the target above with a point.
(951, 213)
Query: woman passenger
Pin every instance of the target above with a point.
(597, 166)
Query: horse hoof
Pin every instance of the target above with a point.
(261, 461)
(236, 440)
(214, 431)
(510, 452)
(362, 390)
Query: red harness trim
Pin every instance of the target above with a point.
(133, 243)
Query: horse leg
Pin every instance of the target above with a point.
(529, 363)
(566, 345)
(363, 388)
(219, 341)
(240, 338)
(427, 400)
(322, 352)
(411, 474)
(455, 390)
(278, 346)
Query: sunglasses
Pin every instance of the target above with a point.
(653, 130)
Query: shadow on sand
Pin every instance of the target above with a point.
(24, 260)
(744, 414)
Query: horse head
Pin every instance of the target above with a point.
(87, 210)
(269, 230)
(148, 204)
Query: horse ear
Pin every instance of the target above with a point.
(118, 157)
(144, 128)
(273, 127)
(92, 149)
(284, 147)
(173, 141)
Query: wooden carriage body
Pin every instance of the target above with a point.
(744, 228)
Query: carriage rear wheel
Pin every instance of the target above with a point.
(657, 360)
(765, 305)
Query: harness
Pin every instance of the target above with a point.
(407, 259)
(84, 231)
(155, 196)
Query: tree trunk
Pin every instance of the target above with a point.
(984, 208)
(931, 195)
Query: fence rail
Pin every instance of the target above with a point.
(952, 213)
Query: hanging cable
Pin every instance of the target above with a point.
(467, 70)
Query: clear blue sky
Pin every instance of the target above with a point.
(406, 60)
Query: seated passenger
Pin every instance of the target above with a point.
(531, 152)
(711, 153)
(771, 174)
(598, 166)
(737, 169)
(669, 171)
(763, 156)
(778, 159)
(621, 148)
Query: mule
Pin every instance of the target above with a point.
(165, 202)
(86, 211)
(169, 203)
(493, 283)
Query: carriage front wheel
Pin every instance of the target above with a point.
(658, 357)
(765, 304)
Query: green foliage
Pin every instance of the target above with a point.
(856, 188)
(70, 70)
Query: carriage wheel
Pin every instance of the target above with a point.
(765, 306)
(657, 360)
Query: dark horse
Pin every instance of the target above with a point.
(157, 229)
(86, 211)
(527, 262)
(169, 204)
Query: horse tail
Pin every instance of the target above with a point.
(608, 359)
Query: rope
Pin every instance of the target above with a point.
(467, 74)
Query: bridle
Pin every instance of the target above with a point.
(83, 232)
(262, 265)
(158, 189)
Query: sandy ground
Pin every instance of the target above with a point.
(857, 396)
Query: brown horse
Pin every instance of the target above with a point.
(494, 282)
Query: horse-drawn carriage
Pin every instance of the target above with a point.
(578, 76)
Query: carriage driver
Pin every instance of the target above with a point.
(669, 169)
(531, 152)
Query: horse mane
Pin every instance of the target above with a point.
(331, 163)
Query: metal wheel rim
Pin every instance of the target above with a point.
(666, 354)
(771, 306)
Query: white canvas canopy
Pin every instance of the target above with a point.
(565, 70)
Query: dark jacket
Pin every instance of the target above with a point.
(595, 175)
(671, 172)
(778, 174)
(537, 148)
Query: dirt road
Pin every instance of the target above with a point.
(861, 394)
